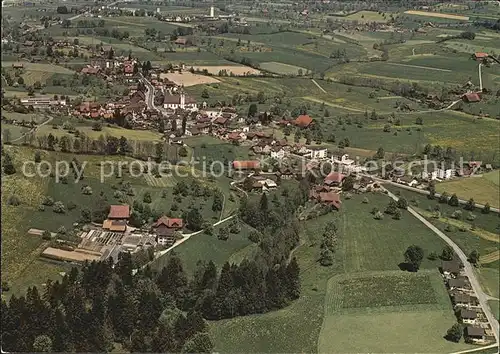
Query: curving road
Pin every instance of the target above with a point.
(468, 268)
(421, 191)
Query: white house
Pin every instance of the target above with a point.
(213, 113)
(245, 129)
(278, 153)
(318, 153)
(447, 173)
(179, 101)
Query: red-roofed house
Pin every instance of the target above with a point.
(330, 198)
(128, 69)
(164, 229)
(471, 97)
(119, 212)
(334, 179)
(246, 165)
(303, 121)
(480, 55)
(90, 70)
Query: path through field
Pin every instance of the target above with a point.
(421, 67)
(32, 130)
(321, 88)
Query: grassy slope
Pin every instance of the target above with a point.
(483, 189)
(296, 328)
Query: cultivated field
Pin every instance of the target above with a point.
(483, 189)
(437, 14)
(234, 69)
(188, 79)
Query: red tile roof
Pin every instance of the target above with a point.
(472, 97)
(129, 69)
(481, 55)
(334, 177)
(330, 198)
(173, 223)
(246, 165)
(303, 121)
(119, 212)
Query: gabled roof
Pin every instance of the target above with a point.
(119, 212)
(450, 266)
(472, 97)
(303, 121)
(330, 198)
(173, 223)
(474, 331)
(468, 314)
(457, 283)
(244, 165)
(334, 177)
(481, 55)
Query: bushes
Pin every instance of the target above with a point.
(59, 208)
(13, 200)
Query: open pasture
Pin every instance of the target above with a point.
(368, 16)
(281, 68)
(483, 189)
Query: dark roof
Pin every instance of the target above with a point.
(450, 266)
(468, 314)
(474, 331)
(457, 283)
(461, 298)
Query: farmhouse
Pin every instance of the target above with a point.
(449, 268)
(480, 55)
(334, 179)
(471, 97)
(303, 121)
(467, 316)
(119, 212)
(164, 229)
(331, 199)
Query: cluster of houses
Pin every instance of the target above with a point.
(433, 172)
(466, 304)
(114, 235)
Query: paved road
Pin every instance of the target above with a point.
(461, 201)
(468, 268)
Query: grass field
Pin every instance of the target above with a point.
(483, 189)
(203, 247)
(368, 16)
(281, 68)
(34, 72)
(297, 327)
(495, 308)
(375, 304)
